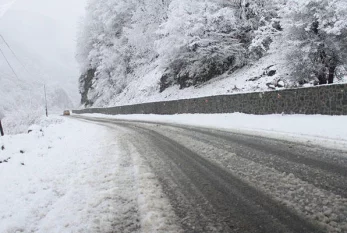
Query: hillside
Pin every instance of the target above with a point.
(132, 52)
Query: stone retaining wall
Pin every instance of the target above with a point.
(325, 100)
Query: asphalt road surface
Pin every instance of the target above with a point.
(220, 181)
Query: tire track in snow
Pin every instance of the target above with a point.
(139, 204)
(311, 197)
(209, 199)
(333, 179)
(319, 205)
(153, 210)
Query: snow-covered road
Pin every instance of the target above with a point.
(218, 181)
(95, 174)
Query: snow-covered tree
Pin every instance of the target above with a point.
(260, 23)
(319, 33)
(263, 22)
(141, 32)
(103, 50)
(185, 42)
(197, 42)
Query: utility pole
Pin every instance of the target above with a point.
(1, 129)
(44, 87)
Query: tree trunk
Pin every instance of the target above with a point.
(331, 74)
(1, 129)
(322, 78)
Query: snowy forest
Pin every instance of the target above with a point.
(131, 50)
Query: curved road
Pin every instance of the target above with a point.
(220, 181)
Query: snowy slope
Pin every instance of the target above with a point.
(146, 89)
(252, 78)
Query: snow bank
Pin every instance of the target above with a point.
(327, 131)
(41, 177)
(70, 176)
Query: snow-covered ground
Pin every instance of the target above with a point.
(326, 131)
(70, 176)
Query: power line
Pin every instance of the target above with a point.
(44, 86)
(8, 46)
(19, 60)
(14, 54)
(9, 64)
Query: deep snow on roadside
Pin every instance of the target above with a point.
(326, 131)
(71, 176)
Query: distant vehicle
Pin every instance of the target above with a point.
(66, 113)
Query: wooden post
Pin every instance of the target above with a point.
(44, 86)
(1, 129)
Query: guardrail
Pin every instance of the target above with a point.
(325, 100)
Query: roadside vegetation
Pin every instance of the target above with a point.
(187, 43)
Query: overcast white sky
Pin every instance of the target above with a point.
(25, 15)
(64, 11)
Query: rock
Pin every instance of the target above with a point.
(254, 79)
(334, 217)
(34, 128)
(2, 147)
(271, 86)
(235, 88)
(280, 83)
(328, 212)
(277, 25)
(22, 164)
(271, 72)
(269, 67)
(21, 151)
